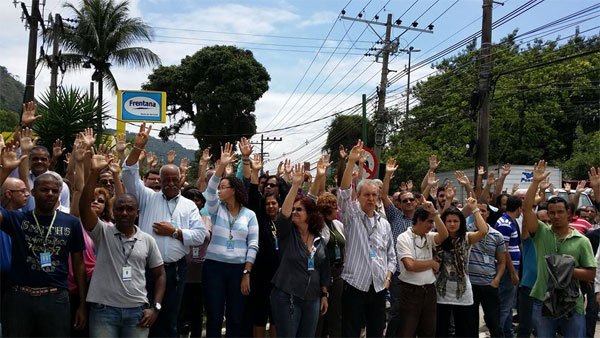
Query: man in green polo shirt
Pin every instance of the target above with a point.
(556, 238)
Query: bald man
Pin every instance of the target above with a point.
(13, 194)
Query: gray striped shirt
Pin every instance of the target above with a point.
(364, 240)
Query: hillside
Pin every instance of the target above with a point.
(11, 91)
(161, 148)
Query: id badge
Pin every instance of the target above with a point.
(311, 263)
(338, 252)
(126, 273)
(195, 252)
(230, 244)
(371, 252)
(486, 259)
(276, 244)
(45, 259)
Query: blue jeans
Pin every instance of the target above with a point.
(221, 283)
(166, 323)
(24, 315)
(110, 321)
(293, 316)
(573, 326)
(506, 294)
(525, 313)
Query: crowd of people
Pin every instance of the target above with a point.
(123, 246)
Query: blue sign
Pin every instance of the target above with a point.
(141, 106)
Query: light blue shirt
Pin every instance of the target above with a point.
(181, 212)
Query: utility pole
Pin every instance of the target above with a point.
(485, 75)
(33, 19)
(389, 47)
(264, 139)
(410, 50)
(54, 60)
(365, 131)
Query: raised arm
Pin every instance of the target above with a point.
(78, 156)
(89, 219)
(297, 179)
(530, 221)
(139, 143)
(487, 189)
(322, 164)
(341, 164)
(464, 181)
(390, 168)
(202, 168)
(355, 154)
(246, 150)
(442, 232)
(594, 175)
(431, 182)
(227, 157)
(482, 227)
(500, 181)
(9, 162)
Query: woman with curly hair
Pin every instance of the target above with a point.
(300, 284)
(454, 293)
(231, 252)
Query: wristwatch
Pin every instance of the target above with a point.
(246, 272)
(175, 234)
(157, 306)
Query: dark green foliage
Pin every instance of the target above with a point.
(346, 129)
(11, 91)
(8, 120)
(215, 89)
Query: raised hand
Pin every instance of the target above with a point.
(567, 186)
(287, 167)
(114, 167)
(298, 175)
(357, 152)
(409, 185)
(99, 162)
(342, 151)
(539, 171)
(171, 156)
(462, 178)
(431, 180)
(471, 201)
(8, 158)
(505, 170)
(29, 116)
(580, 187)
(491, 178)
(280, 169)
(515, 187)
(594, 176)
(227, 155)
(256, 162)
(141, 138)
(27, 141)
(403, 186)
(450, 192)
(183, 165)
(88, 137)
(2, 144)
(545, 184)
(121, 143)
(428, 206)
(102, 149)
(150, 158)
(142, 156)
(205, 157)
(245, 147)
(390, 166)
(57, 148)
(433, 162)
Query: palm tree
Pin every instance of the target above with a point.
(104, 36)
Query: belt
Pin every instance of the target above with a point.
(176, 263)
(36, 292)
(414, 286)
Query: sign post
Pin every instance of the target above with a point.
(140, 106)
(371, 164)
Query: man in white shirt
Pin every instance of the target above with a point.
(418, 300)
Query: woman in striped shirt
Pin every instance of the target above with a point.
(231, 252)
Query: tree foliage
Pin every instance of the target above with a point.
(64, 115)
(8, 120)
(586, 153)
(345, 130)
(215, 90)
(106, 35)
(11, 91)
(541, 93)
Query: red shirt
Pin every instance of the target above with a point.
(580, 225)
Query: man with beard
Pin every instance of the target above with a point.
(174, 222)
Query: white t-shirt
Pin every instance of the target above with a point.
(419, 248)
(452, 284)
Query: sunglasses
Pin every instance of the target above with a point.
(99, 200)
(106, 182)
(408, 200)
(297, 209)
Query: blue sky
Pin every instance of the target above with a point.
(285, 37)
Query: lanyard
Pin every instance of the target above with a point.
(37, 223)
(232, 222)
(125, 254)
(169, 208)
(273, 229)
(367, 223)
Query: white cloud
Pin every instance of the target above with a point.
(319, 18)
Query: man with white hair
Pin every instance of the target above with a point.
(370, 257)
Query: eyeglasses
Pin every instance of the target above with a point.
(408, 200)
(24, 190)
(297, 209)
(99, 200)
(271, 185)
(106, 182)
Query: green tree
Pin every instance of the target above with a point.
(8, 120)
(585, 155)
(215, 90)
(346, 130)
(11, 91)
(105, 35)
(64, 115)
